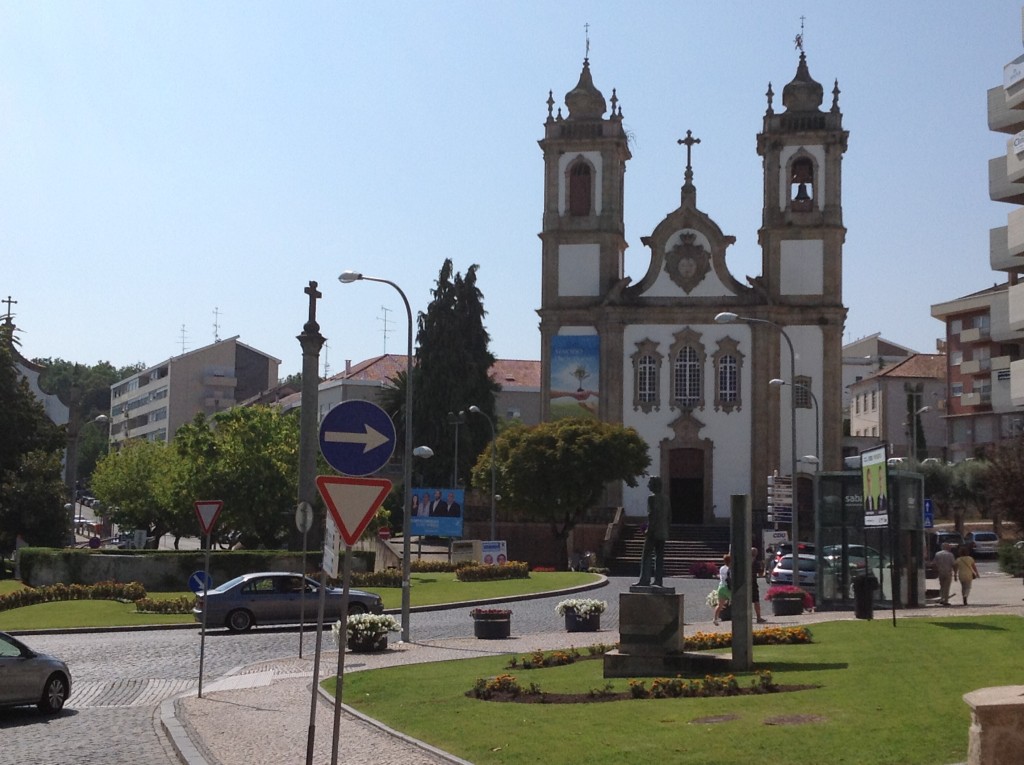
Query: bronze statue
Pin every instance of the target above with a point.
(657, 535)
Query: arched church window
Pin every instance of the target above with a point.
(728, 362)
(687, 370)
(646, 372)
(801, 185)
(580, 188)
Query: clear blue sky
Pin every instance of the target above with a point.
(159, 161)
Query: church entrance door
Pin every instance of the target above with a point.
(686, 485)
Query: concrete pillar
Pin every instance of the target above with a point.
(742, 626)
(996, 735)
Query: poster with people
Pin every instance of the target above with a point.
(493, 552)
(875, 487)
(437, 512)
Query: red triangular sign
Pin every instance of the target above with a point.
(207, 510)
(352, 502)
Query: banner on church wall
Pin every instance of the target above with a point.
(575, 376)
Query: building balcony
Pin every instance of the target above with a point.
(1000, 189)
(974, 367)
(999, 362)
(1015, 158)
(1015, 308)
(975, 399)
(1001, 401)
(973, 335)
(1002, 118)
(1017, 383)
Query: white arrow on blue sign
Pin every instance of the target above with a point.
(357, 438)
(199, 582)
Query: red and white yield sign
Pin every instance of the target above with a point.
(207, 510)
(352, 502)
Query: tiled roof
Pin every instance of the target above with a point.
(509, 373)
(929, 365)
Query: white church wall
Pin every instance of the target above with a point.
(579, 270)
(731, 467)
(808, 342)
(802, 267)
(709, 286)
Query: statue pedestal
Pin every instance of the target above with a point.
(651, 639)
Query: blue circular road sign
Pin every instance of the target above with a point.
(357, 438)
(199, 581)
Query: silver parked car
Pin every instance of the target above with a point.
(275, 597)
(27, 677)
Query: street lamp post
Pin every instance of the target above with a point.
(727, 317)
(818, 446)
(347, 277)
(494, 440)
(456, 420)
(917, 414)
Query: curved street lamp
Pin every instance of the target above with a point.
(727, 317)
(494, 440)
(347, 277)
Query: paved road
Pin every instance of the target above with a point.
(120, 678)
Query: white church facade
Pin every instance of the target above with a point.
(647, 351)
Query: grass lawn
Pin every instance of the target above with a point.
(885, 695)
(426, 589)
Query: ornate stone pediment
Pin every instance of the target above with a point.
(688, 262)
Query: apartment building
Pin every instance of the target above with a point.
(900, 405)
(154, 403)
(985, 330)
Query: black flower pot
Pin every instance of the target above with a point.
(588, 623)
(369, 645)
(788, 606)
(492, 626)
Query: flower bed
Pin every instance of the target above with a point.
(581, 606)
(785, 591)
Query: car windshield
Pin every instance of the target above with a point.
(229, 584)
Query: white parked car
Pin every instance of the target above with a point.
(982, 544)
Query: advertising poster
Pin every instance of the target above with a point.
(493, 553)
(575, 378)
(437, 512)
(875, 487)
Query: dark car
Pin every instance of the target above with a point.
(275, 597)
(937, 539)
(27, 677)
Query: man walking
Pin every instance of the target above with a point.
(944, 562)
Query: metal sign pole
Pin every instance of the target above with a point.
(302, 593)
(206, 609)
(316, 667)
(342, 642)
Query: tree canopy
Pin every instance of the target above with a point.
(31, 490)
(555, 471)
(452, 373)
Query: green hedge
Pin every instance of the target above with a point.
(475, 572)
(55, 593)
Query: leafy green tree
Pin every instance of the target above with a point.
(555, 471)
(939, 480)
(1005, 479)
(135, 487)
(452, 373)
(87, 389)
(249, 458)
(31, 490)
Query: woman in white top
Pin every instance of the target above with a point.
(724, 590)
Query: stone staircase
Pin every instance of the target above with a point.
(686, 545)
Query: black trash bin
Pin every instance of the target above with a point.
(864, 587)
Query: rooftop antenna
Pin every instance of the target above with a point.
(216, 324)
(586, 32)
(387, 330)
(327, 363)
(184, 337)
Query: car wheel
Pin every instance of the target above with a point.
(356, 608)
(55, 693)
(239, 620)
